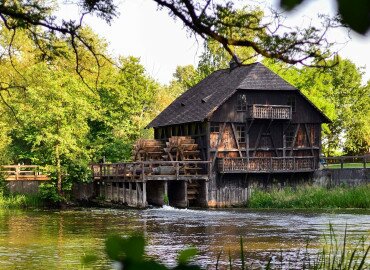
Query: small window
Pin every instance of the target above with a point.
(241, 102)
(240, 132)
(291, 102)
(215, 128)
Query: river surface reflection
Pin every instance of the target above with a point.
(58, 239)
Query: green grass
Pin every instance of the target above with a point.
(312, 197)
(348, 165)
(16, 201)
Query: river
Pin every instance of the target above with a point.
(37, 239)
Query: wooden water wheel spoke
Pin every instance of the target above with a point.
(146, 150)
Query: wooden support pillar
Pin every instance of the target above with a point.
(165, 187)
(138, 195)
(144, 195)
(117, 188)
(129, 193)
(124, 193)
(186, 193)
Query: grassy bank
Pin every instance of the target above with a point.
(15, 201)
(312, 197)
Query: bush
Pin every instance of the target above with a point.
(48, 193)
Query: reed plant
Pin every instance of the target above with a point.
(312, 197)
(336, 253)
(16, 201)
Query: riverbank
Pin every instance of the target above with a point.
(312, 197)
(20, 201)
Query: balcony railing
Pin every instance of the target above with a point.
(260, 111)
(266, 164)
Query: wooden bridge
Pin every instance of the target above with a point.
(23, 173)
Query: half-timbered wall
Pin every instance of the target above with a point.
(298, 136)
(304, 112)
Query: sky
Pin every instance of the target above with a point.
(162, 43)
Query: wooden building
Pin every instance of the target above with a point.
(250, 124)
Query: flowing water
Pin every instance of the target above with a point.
(59, 239)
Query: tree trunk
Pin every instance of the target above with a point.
(59, 170)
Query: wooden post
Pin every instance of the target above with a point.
(124, 193)
(341, 162)
(165, 191)
(117, 191)
(130, 193)
(144, 194)
(364, 160)
(138, 194)
(177, 170)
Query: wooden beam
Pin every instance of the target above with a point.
(258, 139)
(207, 136)
(218, 143)
(236, 139)
(294, 139)
(309, 139)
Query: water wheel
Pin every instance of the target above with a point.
(181, 148)
(145, 150)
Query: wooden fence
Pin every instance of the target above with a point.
(23, 173)
(151, 170)
(346, 162)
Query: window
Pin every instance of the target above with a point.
(291, 102)
(240, 132)
(241, 102)
(215, 128)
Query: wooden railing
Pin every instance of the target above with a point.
(259, 111)
(23, 173)
(266, 164)
(152, 170)
(345, 162)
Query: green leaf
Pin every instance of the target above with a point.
(115, 247)
(355, 14)
(134, 247)
(186, 255)
(290, 4)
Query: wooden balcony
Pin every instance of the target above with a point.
(266, 164)
(260, 111)
(143, 171)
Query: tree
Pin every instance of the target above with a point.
(339, 93)
(127, 103)
(355, 14)
(220, 21)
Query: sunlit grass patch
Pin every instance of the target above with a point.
(14, 201)
(312, 197)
